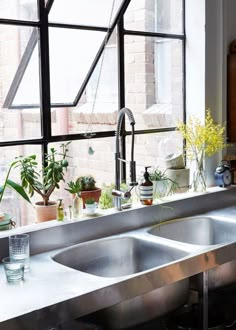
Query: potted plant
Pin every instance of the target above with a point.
(88, 188)
(6, 218)
(91, 206)
(202, 139)
(163, 185)
(44, 182)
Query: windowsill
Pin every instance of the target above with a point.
(159, 115)
(34, 115)
(108, 212)
(100, 113)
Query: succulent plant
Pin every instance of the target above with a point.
(90, 201)
(86, 183)
(73, 187)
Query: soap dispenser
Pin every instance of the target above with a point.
(146, 189)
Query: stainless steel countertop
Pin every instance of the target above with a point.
(59, 293)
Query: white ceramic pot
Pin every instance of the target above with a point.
(181, 177)
(91, 208)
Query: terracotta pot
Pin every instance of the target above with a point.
(95, 194)
(46, 213)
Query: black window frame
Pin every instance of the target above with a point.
(43, 26)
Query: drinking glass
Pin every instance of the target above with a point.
(14, 269)
(19, 248)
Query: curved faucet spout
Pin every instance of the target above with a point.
(121, 115)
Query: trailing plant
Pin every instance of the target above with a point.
(44, 182)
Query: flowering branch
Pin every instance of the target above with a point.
(202, 139)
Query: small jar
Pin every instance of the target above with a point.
(7, 223)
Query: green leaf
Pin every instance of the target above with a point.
(15, 186)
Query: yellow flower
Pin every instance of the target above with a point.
(208, 138)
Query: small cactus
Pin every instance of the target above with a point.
(86, 183)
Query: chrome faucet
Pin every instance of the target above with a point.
(117, 193)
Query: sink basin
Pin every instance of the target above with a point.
(208, 231)
(198, 230)
(118, 256)
(127, 255)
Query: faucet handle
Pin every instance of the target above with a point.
(121, 194)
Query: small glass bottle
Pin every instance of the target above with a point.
(77, 206)
(146, 189)
(60, 210)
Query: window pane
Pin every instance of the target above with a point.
(100, 164)
(97, 108)
(164, 16)
(12, 202)
(71, 56)
(154, 80)
(19, 9)
(151, 149)
(21, 123)
(93, 12)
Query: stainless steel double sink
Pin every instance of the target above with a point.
(143, 249)
(137, 252)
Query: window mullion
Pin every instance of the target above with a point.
(44, 73)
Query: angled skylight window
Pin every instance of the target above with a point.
(71, 55)
(69, 65)
(73, 52)
(92, 12)
(27, 90)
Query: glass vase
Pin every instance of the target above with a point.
(199, 178)
(77, 206)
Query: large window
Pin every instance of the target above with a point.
(67, 68)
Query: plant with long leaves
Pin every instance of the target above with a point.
(170, 186)
(13, 185)
(44, 182)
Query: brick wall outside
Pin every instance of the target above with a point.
(140, 95)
